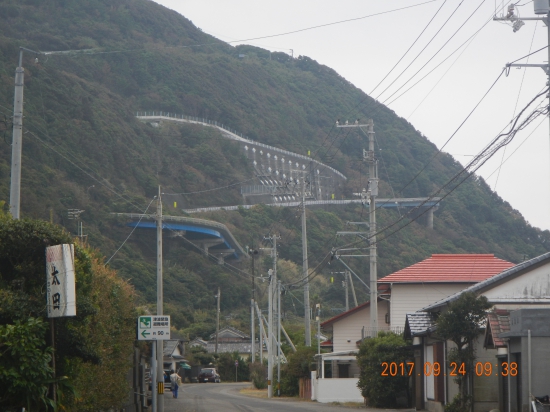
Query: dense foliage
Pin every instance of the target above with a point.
(92, 349)
(258, 375)
(25, 370)
(462, 323)
(229, 372)
(384, 391)
(299, 365)
(84, 149)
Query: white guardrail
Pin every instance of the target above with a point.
(152, 116)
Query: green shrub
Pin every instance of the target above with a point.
(383, 391)
(258, 375)
(299, 365)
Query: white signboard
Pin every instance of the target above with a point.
(153, 327)
(60, 281)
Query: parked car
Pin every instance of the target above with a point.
(209, 375)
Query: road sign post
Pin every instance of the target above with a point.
(236, 369)
(153, 327)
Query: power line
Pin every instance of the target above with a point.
(135, 227)
(421, 51)
(410, 47)
(480, 159)
(452, 135)
(517, 98)
(435, 54)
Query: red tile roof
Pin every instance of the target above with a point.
(448, 268)
(498, 321)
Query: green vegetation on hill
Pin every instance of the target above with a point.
(84, 149)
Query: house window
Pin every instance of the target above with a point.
(343, 370)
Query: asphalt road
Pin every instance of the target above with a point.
(225, 397)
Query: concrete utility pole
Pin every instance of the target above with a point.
(17, 142)
(253, 252)
(279, 338)
(318, 305)
(346, 288)
(160, 297)
(262, 332)
(541, 8)
(345, 285)
(348, 274)
(270, 336)
(272, 308)
(371, 193)
(217, 320)
(154, 397)
(305, 271)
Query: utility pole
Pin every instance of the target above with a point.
(270, 336)
(318, 305)
(262, 333)
(345, 285)
(346, 289)
(541, 8)
(279, 338)
(159, 343)
(17, 142)
(305, 271)
(217, 320)
(272, 307)
(17, 139)
(370, 195)
(373, 191)
(253, 252)
(348, 274)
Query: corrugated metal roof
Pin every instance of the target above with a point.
(449, 268)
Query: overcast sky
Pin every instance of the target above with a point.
(364, 50)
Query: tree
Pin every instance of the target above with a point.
(93, 348)
(226, 367)
(462, 324)
(383, 391)
(299, 365)
(25, 370)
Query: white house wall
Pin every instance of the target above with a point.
(335, 390)
(347, 331)
(410, 297)
(534, 284)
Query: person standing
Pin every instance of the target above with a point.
(175, 381)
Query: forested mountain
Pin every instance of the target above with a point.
(84, 149)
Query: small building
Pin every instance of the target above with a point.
(230, 340)
(522, 340)
(174, 354)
